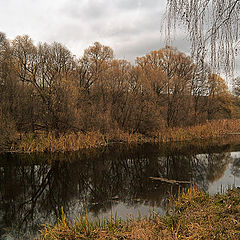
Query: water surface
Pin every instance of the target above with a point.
(35, 187)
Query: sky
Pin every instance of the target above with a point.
(131, 28)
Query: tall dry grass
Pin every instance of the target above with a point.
(73, 141)
(64, 143)
(196, 216)
(76, 141)
(209, 130)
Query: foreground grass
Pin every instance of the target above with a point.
(48, 142)
(197, 216)
(200, 216)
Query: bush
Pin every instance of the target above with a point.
(7, 131)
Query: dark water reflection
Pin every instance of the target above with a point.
(34, 188)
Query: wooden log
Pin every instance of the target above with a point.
(169, 181)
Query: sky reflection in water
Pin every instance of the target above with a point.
(34, 188)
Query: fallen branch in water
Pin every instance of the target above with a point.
(170, 181)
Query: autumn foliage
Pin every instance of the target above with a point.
(45, 89)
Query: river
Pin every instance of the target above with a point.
(113, 181)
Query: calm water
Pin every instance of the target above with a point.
(34, 188)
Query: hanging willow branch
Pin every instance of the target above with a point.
(213, 28)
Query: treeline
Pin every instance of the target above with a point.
(45, 88)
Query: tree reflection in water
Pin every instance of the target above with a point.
(34, 188)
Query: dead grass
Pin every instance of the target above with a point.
(204, 217)
(197, 216)
(48, 142)
(64, 143)
(42, 142)
(210, 130)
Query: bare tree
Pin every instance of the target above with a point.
(236, 88)
(170, 74)
(213, 29)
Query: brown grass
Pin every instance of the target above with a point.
(197, 216)
(42, 142)
(209, 130)
(204, 217)
(73, 141)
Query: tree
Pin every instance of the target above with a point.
(46, 70)
(117, 85)
(92, 72)
(219, 103)
(169, 73)
(92, 65)
(8, 95)
(55, 67)
(4, 58)
(213, 28)
(236, 86)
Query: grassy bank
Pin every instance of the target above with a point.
(40, 142)
(49, 142)
(209, 130)
(197, 216)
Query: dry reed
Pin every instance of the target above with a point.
(197, 216)
(77, 141)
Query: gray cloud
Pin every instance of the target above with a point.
(130, 27)
(136, 4)
(80, 10)
(117, 23)
(138, 46)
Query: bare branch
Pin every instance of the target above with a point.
(213, 29)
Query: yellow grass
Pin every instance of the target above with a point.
(197, 216)
(209, 130)
(76, 141)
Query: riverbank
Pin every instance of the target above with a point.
(49, 142)
(197, 216)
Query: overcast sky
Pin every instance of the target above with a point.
(130, 27)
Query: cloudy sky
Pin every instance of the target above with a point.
(131, 27)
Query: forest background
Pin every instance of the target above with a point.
(45, 89)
